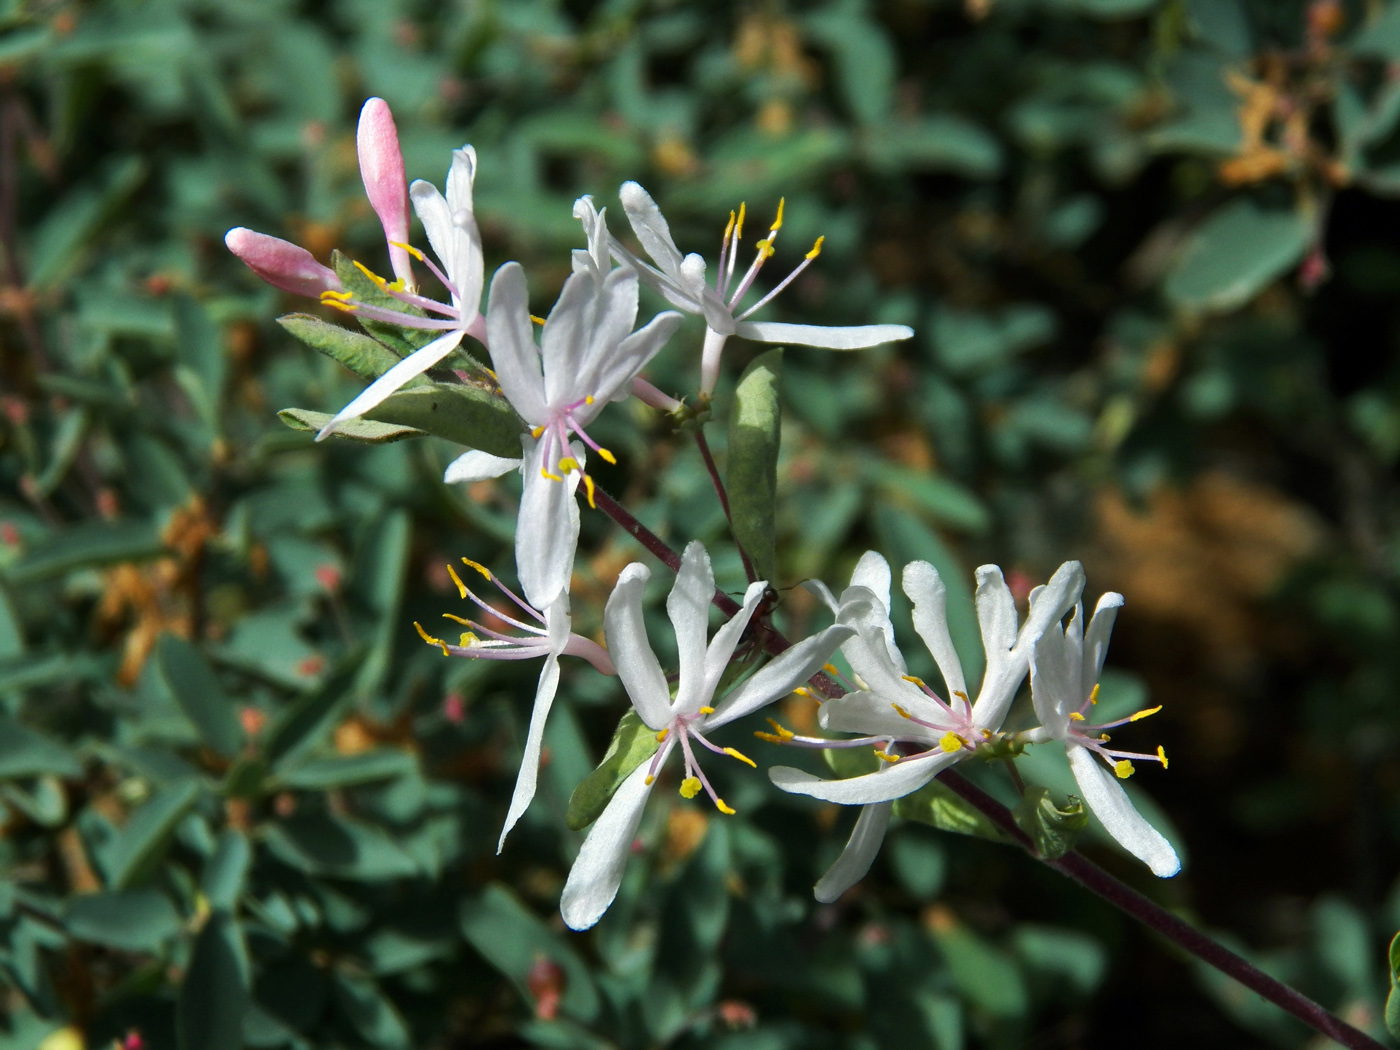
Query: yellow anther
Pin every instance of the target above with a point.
(781, 730)
(608, 456)
(343, 297)
(690, 787)
(951, 742)
(1145, 713)
(902, 713)
(830, 669)
(772, 738)
(537, 320)
(961, 696)
(1094, 694)
(379, 282)
(568, 463)
(661, 736)
(650, 780)
(537, 431)
(729, 227)
(778, 222)
(466, 640)
(707, 710)
(1162, 755)
(913, 678)
(741, 757)
(551, 477)
(477, 566)
(802, 690)
(816, 248)
(410, 249)
(456, 619)
(723, 807)
(461, 587)
(588, 485)
(1123, 769)
(430, 639)
(588, 400)
(886, 756)
(331, 299)
(1103, 738)
(739, 225)
(765, 248)
(1075, 716)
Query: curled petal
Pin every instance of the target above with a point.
(1110, 803)
(478, 466)
(651, 228)
(855, 860)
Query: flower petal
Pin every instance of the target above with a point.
(381, 168)
(1096, 637)
(651, 228)
(688, 605)
(461, 178)
(1110, 803)
(564, 341)
(996, 612)
(722, 645)
(782, 675)
(478, 466)
(929, 594)
(856, 338)
(546, 532)
(868, 713)
(598, 868)
(891, 782)
(557, 623)
(631, 652)
(1052, 690)
(280, 263)
(861, 848)
(412, 366)
(513, 351)
(615, 372)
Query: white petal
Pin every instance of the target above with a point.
(996, 612)
(855, 860)
(557, 622)
(651, 228)
(891, 782)
(688, 605)
(598, 868)
(791, 668)
(1096, 637)
(868, 713)
(1110, 803)
(615, 372)
(1050, 603)
(478, 466)
(1051, 687)
(564, 340)
(461, 178)
(513, 351)
(546, 532)
(412, 366)
(873, 571)
(436, 216)
(857, 338)
(722, 645)
(631, 652)
(929, 594)
(823, 592)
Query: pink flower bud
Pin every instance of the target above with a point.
(381, 167)
(281, 263)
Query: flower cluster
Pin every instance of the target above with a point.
(591, 351)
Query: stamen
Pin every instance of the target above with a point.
(781, 730)
(802, 690)
(607, 455)
(1162, 756)
(771, 738)
(457, 619)
(739, 226)
(778, 222)
(886, 756)
(742, 758)
(723, 808)
(1123, 769)
(410, 249)
(588, 484)
(690, 787)
(831, 669)
(567, 464)
(379, 282)
(466, 640)
(478, 567)
(951, 742)
(430, 639)
(537, 320)
(1075, 716)
(1143, 714)
(551, 477)
(902, 713)
(588, 399)
(765, 249)
(537, 431)
(461, 587)
(915, 679)
(1094, 694)
(816, 248)
(707, 711)
(650, 780)
(661, 736)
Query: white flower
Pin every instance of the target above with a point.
(588, 356)
(915, 732)
(451, 227)
(683, 723)
(548, 636)
(1065, 671)
(681, 279)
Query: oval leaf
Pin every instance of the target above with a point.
(467, 415)
(752, 469)
(632, 744)
(198, 692)
(215, 993)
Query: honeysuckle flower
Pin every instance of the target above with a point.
(386, 186)
(681, 279)
(450, 224)
(683, 723)
(280, 263)
(916, 732)
(544, 634)
(1065, 669)
(587, 356)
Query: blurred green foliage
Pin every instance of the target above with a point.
(1152, 254)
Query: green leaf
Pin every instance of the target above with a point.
(364, 355)
(380, 570)
(943, 142)
(1053, 830)
(1381, 36)
(919, 862)
(936, 805)
(864, 58)
(62, 239)
(199, 694)
(967, 342)
(310, 716)
(512, 938)
(987, 976)
(26, 753)
(465, 414)
(201, 360)
(1392, 1002)
(751, 473)
(372, 1014)
(85, 546)
(363, 430)
(226, 871)
(320, 844)
(632, 744)
(403, 341)
(132, 920)
(209, 1015)
(338, 771)
(1234, 255)
(139, 845)
(1075, 958)
(943, 499)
